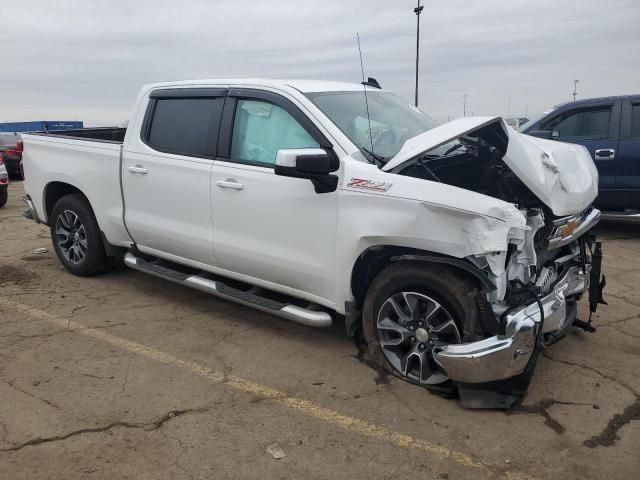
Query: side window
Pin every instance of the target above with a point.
(588, 122)
(261, 128)
(635, 121)
(186, 126)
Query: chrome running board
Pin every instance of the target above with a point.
(304, 316)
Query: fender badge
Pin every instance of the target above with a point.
(369, 185)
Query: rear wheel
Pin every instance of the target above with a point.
(76, 236)
(411, 311)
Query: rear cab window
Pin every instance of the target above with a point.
(184, 125)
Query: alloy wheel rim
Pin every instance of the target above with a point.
(71, 237)
(412, 328)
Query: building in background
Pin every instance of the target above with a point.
(40, 125)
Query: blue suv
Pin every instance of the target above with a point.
(610, 128)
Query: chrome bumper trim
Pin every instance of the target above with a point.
(505, 356)
(584, 222)
(32, 209)
(620, 216)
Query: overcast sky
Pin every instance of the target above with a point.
(87, 59)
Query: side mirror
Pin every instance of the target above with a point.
(546, 134)
(315, 164)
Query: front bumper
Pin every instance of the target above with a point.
(505, 356)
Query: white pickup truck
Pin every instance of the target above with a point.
(454, 252)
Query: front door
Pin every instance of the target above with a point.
(269, 227)
(167, 175)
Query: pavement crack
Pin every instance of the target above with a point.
(609, 435)
(594, 370)
(22, 338)
(35, 397)
(542, 408)
(150, 426)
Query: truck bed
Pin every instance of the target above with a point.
(100, 134)
(86, 159)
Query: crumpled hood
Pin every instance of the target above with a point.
(561, 175)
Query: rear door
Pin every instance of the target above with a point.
(628, 174)
(167, 174)
(595, 126)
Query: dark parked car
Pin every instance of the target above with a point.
(610, 129)
(4, 183)
(11, 151)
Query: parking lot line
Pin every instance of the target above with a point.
(307, 407)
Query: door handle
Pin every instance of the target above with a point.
(605, 154)
(138, 169)
(230, 183)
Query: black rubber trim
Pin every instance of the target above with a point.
(188, 92)
(455, 262)
(248, 297)
(167, 272)
(111, 250)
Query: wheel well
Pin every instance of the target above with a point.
(375, 259)
(54, 192)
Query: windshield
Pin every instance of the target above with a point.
(393, 120)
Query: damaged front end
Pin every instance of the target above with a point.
(540, 271)
(534, 304)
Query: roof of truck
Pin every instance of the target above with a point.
(305, 86)
(589, 101)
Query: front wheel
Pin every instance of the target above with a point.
(76, 236)
(411, 311)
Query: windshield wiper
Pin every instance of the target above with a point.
(378, 158)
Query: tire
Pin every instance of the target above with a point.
(435, 302)
(76, 237)
(4, 195)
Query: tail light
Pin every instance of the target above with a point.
(11, 151)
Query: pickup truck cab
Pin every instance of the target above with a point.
(609, 127)
(454, 252)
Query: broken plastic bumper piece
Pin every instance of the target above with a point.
(505, 356)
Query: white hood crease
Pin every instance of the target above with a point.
(562, 175)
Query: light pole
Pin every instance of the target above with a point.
(464, 105)
(575, 89)
(417, 11)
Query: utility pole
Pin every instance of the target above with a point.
(575, 89)
(464, 105)
(417, 11)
